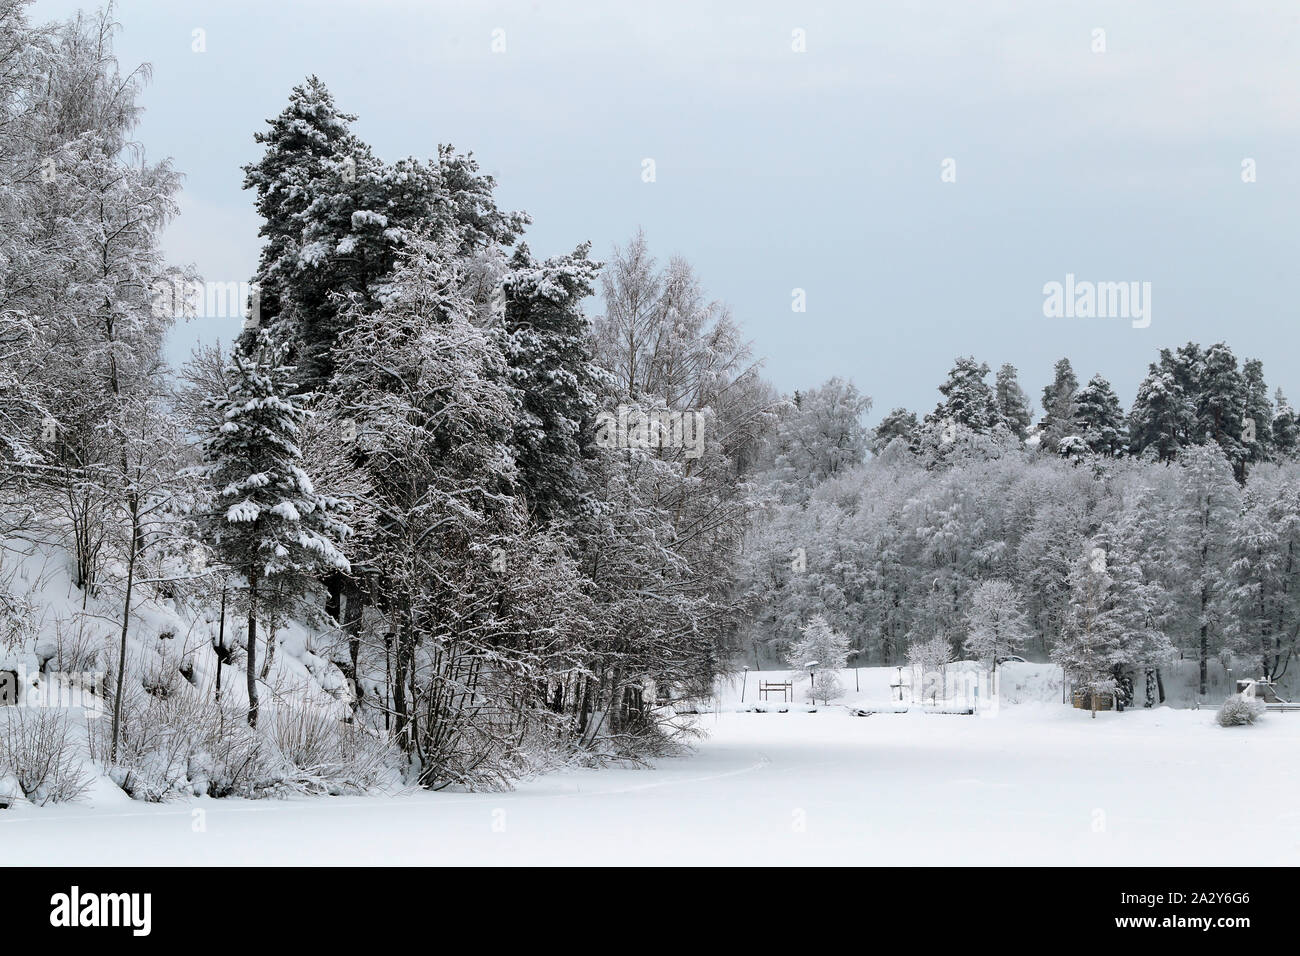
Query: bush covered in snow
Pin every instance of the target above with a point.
(39, 752)
(1238, 710)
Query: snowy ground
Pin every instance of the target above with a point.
(1038, 783)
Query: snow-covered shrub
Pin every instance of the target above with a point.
(322, 754)
(1238, 710)
(157, 738)
(825, 686)
(37, 748)
(185, 743)
(235, 760)
(77, 645)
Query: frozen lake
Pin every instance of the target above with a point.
(1037, 783)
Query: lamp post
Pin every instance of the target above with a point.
(812, 680)
(744, 679)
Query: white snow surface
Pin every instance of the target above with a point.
(1035, 784)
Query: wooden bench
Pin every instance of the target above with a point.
(766, 688)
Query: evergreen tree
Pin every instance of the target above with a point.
(1221, 405)
(307, 137)
(1141, 604)
(968, 399)
(1157, 420)
(337, 219)
(899, 423)
(547, 343)
(1099, 419)
(1286, 428)
(269, 524)
(1257, 431)
(1058, 406)
(1013, 408)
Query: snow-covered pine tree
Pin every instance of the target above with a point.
(309, 135)
(1257, 433)
(1286, 428)
(269, 524)
(337, 219)
(1140, 605)
(1058, 406)
(1013, 407)
(899, 423)
(968, 399)
(548, 346)
(1222, 404)
(1158, 419)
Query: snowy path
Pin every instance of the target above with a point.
(1036, 784)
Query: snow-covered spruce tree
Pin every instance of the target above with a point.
(1257, 433)
(996, 624)
(268, 524)
(824, 651)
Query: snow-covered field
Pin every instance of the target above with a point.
(1036, 784)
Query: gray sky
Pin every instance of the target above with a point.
(818, 170)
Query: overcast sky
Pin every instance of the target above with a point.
(819, 170)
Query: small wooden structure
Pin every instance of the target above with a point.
(767, 688)
(1084, 701)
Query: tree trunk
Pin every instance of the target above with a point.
(1205, 642)
(221, 643)
(252, 647)
(352, 625)
(270, 649)
(126, 620)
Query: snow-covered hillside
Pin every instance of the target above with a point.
(63, 652)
